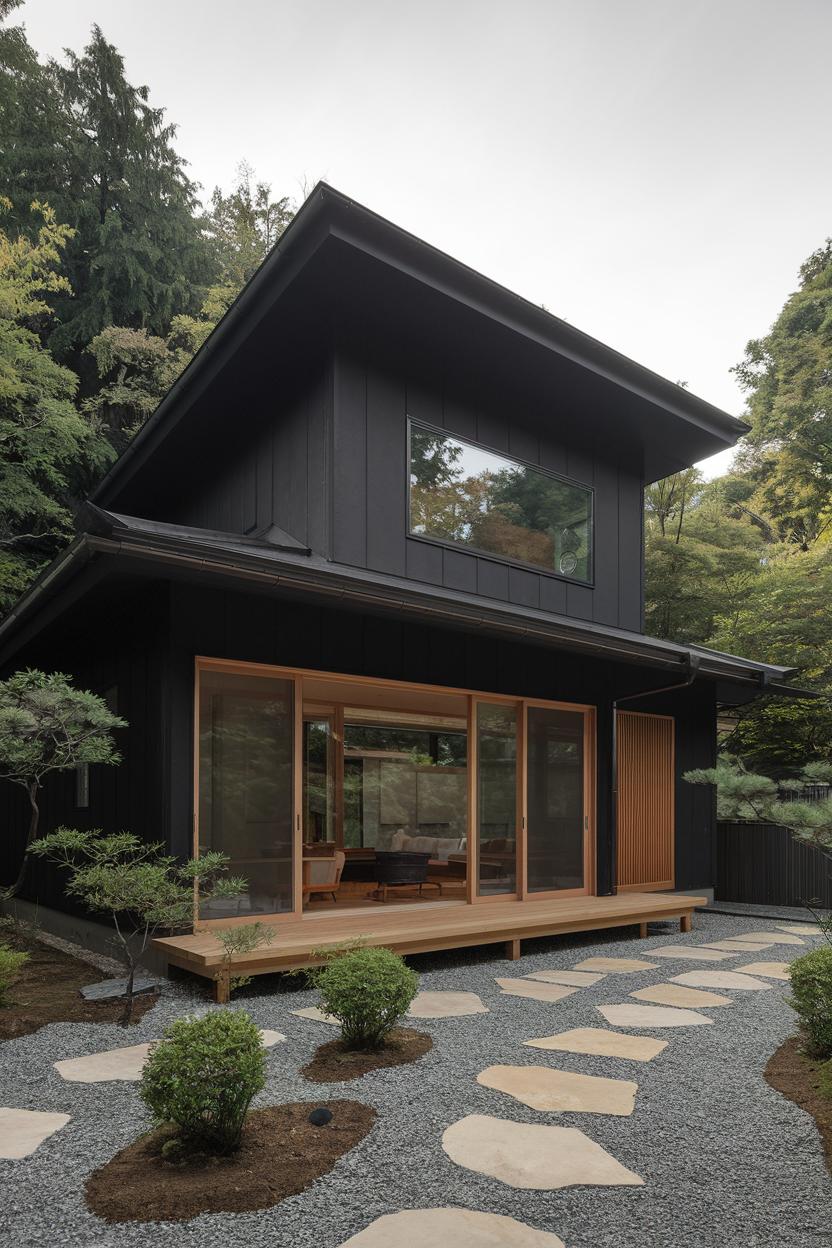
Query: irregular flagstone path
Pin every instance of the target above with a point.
(675, 994)
(538, 1158)
(697, 953)
(625, 1015)
(24, 1130)
(445, 1005)
(800, 929)
(577, 979)
(719, 979)
(768, 970)
(738, 946)
(622, 965)
(598, 1042)
(773, 938)
(450, 1228)
(317, 1015)
(535, 990)
(559, 1091)
(124, 1063)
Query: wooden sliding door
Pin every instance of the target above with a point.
(646, 815)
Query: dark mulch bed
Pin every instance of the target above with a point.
(333, 1063)
(280, 1155)
(48, 991)
(794, 1074)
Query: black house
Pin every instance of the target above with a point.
(368, 588)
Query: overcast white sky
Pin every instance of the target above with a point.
(654, 171)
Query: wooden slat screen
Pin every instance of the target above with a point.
(645, 841)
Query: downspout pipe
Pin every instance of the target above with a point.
(692, 666)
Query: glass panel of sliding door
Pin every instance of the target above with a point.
(246, 786)
(496, 798)
(555, 799)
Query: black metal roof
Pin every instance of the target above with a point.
(358, 251)
(290, 567)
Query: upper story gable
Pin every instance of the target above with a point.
(396, 412)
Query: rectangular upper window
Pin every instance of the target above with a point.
(468, 496)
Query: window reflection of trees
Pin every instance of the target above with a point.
(506, 508)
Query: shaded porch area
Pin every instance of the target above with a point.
(422, 928)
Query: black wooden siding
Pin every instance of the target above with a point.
(272, 470)
(761, 864)
(122, 646)
(369, 497)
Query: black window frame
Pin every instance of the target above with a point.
(478, 551)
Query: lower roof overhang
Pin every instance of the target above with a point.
(123, 544)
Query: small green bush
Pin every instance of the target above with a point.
(811, 978)
(203, 1076)
(11, 966)
(367, 990)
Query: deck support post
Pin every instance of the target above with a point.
(686, 923)
(222, 987)
(642, 930)
(513, 950)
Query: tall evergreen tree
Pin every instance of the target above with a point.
(243, 226)
(105, 160)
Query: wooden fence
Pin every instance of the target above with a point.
(762, 864)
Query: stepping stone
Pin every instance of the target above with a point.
(24, 1130)
(622, 965)
(768, 970)
(737, 946)
(271, 1038)
(537, 991)
(575, 979)
(773, 938)
(648, 1016)
(103, 1067)
(675, 994)
(800, 929)
(599, 1042)
(446, 1005)
(696, 953)
(557, 1091)
(124, 1063)
(107, 989)
(318, 1016)
(460, 1228)
(719, 979)
(533, 1158)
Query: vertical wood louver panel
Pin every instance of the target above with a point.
(645, 840)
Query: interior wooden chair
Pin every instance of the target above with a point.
(323, 875)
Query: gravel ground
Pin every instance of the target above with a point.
(725, 1158)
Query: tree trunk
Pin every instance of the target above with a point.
(14, 889)
(128, 997)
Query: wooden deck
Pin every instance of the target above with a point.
(410, 929)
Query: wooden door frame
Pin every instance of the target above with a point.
(474, 697)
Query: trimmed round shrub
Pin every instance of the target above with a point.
(203, 1076)
(367, 990)
(811, 978)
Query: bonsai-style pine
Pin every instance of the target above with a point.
(137, 885)
(48, 725)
